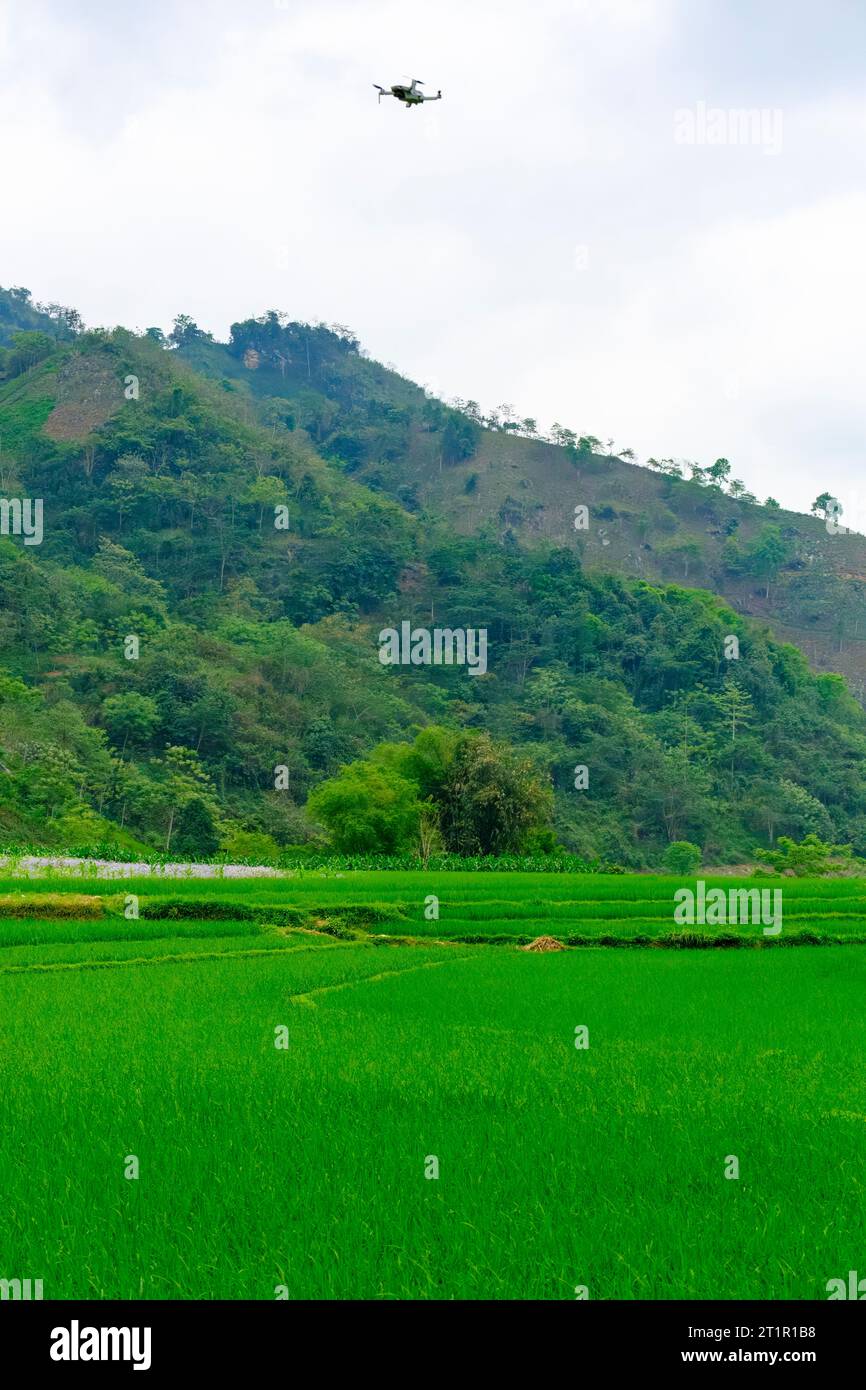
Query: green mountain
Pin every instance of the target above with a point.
(18, 314)
(505, 481)
(192, 643)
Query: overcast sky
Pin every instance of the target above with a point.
(581, 227)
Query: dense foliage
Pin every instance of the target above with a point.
(459, 792)
(221, 529)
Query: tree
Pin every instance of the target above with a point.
(27, 350)
(429, 835)
(768, 554)
(734, 705)
(367, 810)
(128, 484)
(266, 492)
(479, 796)
(670, 467)
(824, 504)
(719, 471)
(278, 412)
(196, 834)
(184, 780)
(492, 799)
(666, 788)
(687, 552)
(186, 331)
(130, 717)
(427, 761)
(564, 438)
(588, 444)
(68, 318)
(459, 438)
(735, 708)
(802, 810)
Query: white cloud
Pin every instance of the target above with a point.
(223, 159)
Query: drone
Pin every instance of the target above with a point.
(410, 96)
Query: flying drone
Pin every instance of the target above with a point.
(410, 96)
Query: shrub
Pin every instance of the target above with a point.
(682, 857)
(808, 859)
(250, 846)
(195, 832)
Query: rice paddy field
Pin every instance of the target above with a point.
(288, 1064)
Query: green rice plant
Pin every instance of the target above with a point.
(304, 1166)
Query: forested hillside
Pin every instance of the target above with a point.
(496, 472)
(191, 646)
